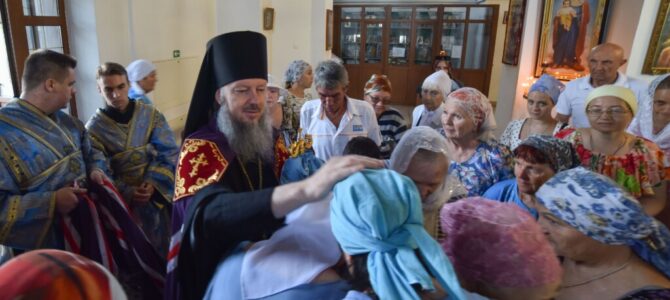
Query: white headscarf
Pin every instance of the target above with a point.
(423, 137)
(137, 70)
(439, 81)
(294, 255)
(643, 124)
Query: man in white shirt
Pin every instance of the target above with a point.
(334, 119)
(604, 62)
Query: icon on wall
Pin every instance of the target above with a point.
(268, 18)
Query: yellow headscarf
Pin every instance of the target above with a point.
(620, 92)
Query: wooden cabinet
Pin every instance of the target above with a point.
(402, 40)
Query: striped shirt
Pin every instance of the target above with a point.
(392, 126)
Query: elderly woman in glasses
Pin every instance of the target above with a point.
(392, 124)
(611, 248)
(477, 159)
(637, 164)
(541, 98)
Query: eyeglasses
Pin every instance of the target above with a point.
(432, 93)
(615, 112)
(376, 100)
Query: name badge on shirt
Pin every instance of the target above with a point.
(358, 128)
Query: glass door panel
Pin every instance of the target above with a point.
(399, 43)
(40, 8)
(454, 13)
(375, 13)
(477, 47)
(426, 13)
(351, 13)
(401, 13)
(481, 13)
(424, 44)
(373, 43)
(350, 41)
(452, 41)
(44, 37)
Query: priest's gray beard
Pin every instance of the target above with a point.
(248, 141)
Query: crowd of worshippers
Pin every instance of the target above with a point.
(276, 195)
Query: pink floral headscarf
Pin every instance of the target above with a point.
(478, 107)
(498, 244)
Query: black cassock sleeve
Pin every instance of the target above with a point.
(216, 222)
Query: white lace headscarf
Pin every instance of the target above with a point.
(643, 124)
(424, 137)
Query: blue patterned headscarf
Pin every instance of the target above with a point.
(549, 85)
(379, 212)
(597, 207)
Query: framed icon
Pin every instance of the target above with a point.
(268, 18)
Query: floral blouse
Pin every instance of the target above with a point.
(491, 163)
(291, 106)
(637, 171)
(510, 137)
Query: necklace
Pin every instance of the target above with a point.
(625, 140)
(246, 175)
(600, 276)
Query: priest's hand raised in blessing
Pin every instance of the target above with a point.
(336, 169)
(286, 198)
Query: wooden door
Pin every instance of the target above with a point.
(412, 35)
(468, 35)
(33, 25)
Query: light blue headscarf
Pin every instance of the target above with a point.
(597, 207)
(549, 85)
(379, 212)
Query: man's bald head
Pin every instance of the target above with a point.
(604, 62)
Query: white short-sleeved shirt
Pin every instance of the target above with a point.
(329, 140)
(432, 119)
(571, 100)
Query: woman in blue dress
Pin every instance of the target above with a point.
(477, 159)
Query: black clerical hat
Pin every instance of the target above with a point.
(230, 57)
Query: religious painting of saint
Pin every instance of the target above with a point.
(657, 60)
(517, 9)
(570, 28)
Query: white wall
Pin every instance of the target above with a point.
(619, 29)
(290, 35)
(299, 33)
(510, 103)
(81, 24)
(121, 31)
(499, 44)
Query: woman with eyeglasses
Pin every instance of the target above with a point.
(377, 92)
(636, 164)
(542, 98)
